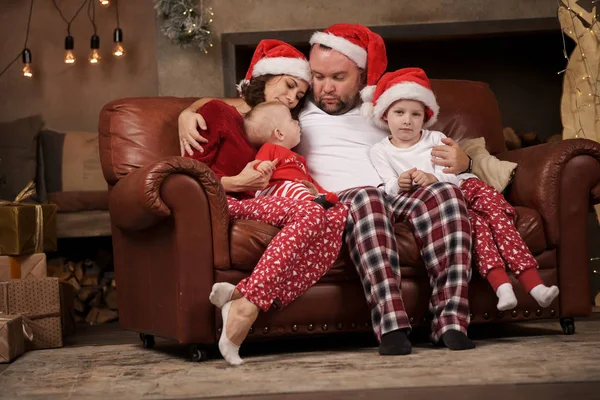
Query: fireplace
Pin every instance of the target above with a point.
(519, 59)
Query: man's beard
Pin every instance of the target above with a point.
(342, 106)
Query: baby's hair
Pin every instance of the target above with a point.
(261, 121)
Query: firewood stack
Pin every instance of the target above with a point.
(96, 290)
(516, 140)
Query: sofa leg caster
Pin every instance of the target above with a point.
(568, 325)
(197, 354)
(147, 340)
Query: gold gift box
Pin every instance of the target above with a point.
(27, 228)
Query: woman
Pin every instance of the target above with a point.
(310, 237)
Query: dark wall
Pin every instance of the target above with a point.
(69, 97)
(522, 70)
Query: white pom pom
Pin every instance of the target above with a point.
(367, 93)
(366, 110)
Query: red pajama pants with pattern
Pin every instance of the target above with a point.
(496, 241)
(299, 255)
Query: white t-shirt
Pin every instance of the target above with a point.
(336, 148)
(391, 161)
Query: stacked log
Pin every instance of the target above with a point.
(96, 290)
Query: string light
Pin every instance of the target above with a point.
(69, 41)
(118, 49)
(26, 55)
(69, 46)
(94, 57)
(104, 3)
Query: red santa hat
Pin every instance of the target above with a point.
(274, 57)
(361, 45)
(404, 84)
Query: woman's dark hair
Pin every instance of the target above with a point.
(253, 93)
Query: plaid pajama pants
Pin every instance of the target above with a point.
(299, 255)
(439, 218)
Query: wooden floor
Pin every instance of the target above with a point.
(105, 355)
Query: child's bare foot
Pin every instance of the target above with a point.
(238, 316)
(222, 292)
(544, 295)
(506, 297)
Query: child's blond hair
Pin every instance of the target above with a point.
(261, 121)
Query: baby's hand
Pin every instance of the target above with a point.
(423, 178)
(267, 167)
(405, 180)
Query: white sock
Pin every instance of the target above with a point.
(506, 297)
(544, 295)
(221, 293)
(229, 351)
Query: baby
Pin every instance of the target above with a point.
(271, 126)
(404, 104)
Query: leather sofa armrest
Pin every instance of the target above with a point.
(135, 202)
(537, 181)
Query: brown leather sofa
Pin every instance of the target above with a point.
(172, 236)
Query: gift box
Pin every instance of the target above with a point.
(27, 228)
(12, 340)
(39, 301)
(31, 267)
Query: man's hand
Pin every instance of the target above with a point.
(188, 124)
(267, 167)
(312, 189)
(423, 178)
(450, 156)
(405, 180)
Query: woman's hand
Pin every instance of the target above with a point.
(188, 123)
(451, 156)
(423, 178)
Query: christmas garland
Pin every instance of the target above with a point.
(185, 23)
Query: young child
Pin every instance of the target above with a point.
(404, 104)
(271, 126)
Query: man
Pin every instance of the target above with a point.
(336, 141)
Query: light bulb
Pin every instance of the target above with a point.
(69, 57)
(118, 50)
(69, 46)
(94, 57)
(95, 54)
(27, 70)
(26, 56)
(104, 3)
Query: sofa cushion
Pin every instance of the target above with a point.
(491, 170)
(18, 155)
(72, 172)
(249, 239)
